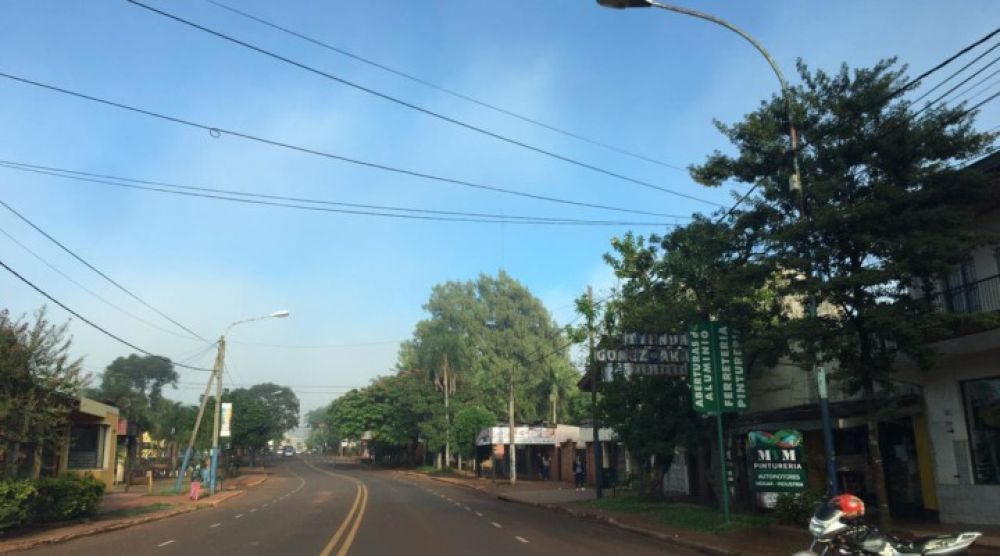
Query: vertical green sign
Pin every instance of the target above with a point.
(732, 389)
(703, 391)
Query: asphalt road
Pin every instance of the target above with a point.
(313, 507)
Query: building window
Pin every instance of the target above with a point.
(961, 289)
(982, 413)
(86, 447)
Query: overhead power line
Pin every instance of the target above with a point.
(102, 274)
(954, 74)
(421, 109)
(262, 199)
(217, 132)
(91, 323)
(445, 90)
(91, 292)
(916, 80)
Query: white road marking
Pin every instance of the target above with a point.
(237, 516)
(478, 514)
(497, 525)
(262, 506)
(253, 510)
(522, 539)
(214, 525)
(162, 544)
(468, 509)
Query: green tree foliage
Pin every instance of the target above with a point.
(135, 384)
(486, 333)
(261, 413)
(886, 208)
(39, 386)
(468, 422)
(652, 416)
(281, 401)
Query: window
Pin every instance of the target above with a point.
(982, 414)
(961, 292)
(86, 447)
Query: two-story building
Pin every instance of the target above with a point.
(962, 391)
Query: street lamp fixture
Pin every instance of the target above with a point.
(794, 186)
(216, 376)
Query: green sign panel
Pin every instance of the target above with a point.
(777, 460)
(702, 373)
(716, 369)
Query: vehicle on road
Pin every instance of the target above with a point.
(838, 528)
(288, 451)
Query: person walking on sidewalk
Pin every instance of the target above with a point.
(578, 474)
(546, 463)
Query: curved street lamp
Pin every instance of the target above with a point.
(216, 376)
(794, 185)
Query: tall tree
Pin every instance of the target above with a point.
(135, 384)
(39, 386)
(886, 208)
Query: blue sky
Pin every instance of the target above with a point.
(646, 80)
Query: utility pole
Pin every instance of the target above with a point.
(594, 381)
(201, 411)
(510, 414)
(447, 416)
(219, 362)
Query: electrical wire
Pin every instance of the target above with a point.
(951, 90)
(218, 132)
(244, 197)
(91, 323)
(102, 274)
(426, 111)
(954, 74)
(89, 291)
(446, 90)
(916, 80)
(314, 346)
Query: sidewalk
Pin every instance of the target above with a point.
(772, 540)
(120, 510)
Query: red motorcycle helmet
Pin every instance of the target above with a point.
(851, 506)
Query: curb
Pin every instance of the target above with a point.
(672, 539)
(445, 480)
(115, 525)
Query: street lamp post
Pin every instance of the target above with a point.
(216, 376)
(794, 185)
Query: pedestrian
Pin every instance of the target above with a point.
(545, 467)
(578, 474)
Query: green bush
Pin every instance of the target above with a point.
(17, 502)
(68, 497)
(797, 508)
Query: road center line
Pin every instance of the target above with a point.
(479, 514)
(497, 525)
(214, 525)
(237, 516)
(253, 510)
(522, 539)
(162, 544)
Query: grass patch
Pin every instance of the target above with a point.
(431, 470)
(132, 512)
(687, 516)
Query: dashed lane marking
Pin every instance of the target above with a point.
(214, 525)
(479, 514)
(165, 543)
(497, 525)
(253, 510)
(237, 516)
(468, 509)
(522, 539)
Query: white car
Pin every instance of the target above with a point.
(288, 451)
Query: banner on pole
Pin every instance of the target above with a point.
(702, 373)
(227, 419)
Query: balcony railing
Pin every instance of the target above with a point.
(981, 296)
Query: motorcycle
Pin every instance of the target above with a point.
(838, 528)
